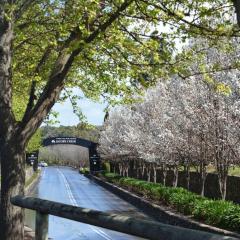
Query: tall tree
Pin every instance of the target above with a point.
(104, 47)
(44, 46)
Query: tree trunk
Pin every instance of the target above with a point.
(203, 173)
(149, 172)
(155, 174)
(223, 185)
(164, 177)
(164, 172)
(12, 183)
(175, 176)
(137, 170)
(11, 154)
(123, 170)
(149, 175)
(143, 170)
(203, 180)
(112, 167)
(188, 176)
(127, 171)
(120, 169)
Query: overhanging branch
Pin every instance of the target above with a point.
(61, 68)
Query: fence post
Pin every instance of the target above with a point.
(41, 228)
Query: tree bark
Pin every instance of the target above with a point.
(175, 176)
(188, 176)
(203, 180)
(120, 169)
(11, 149)
(203, 173)
(164, 177)
(222, 179)
(12, 184)
(164, 172)
(154, 173)
(137, 171)
(127, 171)
(143, 170)
(149, 173)
(114, 167)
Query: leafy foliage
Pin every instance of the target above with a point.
(35, 142)
(84, 170)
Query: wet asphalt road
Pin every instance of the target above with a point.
(68, 186)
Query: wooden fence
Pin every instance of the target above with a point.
(134, 226)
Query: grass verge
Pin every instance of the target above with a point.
(31, 179)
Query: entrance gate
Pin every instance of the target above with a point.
(92, 147)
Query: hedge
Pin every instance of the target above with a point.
(219, 213)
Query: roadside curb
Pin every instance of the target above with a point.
(160, 213)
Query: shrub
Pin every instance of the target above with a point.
(106, 167)
(84, 170)
(112, 177)
(220, 213)
(183, 201)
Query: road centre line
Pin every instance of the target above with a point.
(74, 203)
(69, 192)
(101, 233)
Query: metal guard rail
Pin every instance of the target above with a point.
(129, 225)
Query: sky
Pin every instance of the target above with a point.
(93, 111)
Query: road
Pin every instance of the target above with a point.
(66, 185)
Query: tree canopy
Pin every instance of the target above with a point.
(114, 47)
(190, 122)
(106, 48)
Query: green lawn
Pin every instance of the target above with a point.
(233, 171)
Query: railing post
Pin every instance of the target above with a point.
(41, 228)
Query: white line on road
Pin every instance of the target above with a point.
(74, 203)
(101, 233)
(69, 192)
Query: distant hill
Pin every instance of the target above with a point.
(81, 131)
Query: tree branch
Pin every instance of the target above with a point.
(62, 66)
(43, 59)
(24, 6)
(30, 105)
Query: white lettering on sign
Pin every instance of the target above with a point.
(65, 140)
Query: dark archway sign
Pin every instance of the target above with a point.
(32, 159)
(94, 159)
